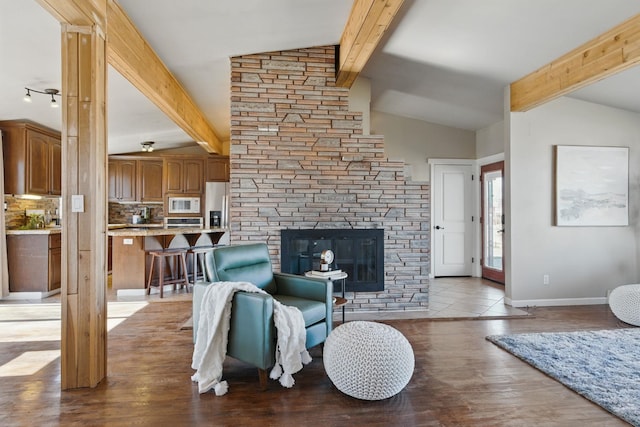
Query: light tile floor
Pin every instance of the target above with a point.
(453, 298)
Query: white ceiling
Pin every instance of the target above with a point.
(443, 61)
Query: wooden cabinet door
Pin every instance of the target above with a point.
(55, 269)
(122, 180)
(128, 180)
(174, 178)
(37, 163)
(150, 184)
(193, 176)
(218, 169)
(113, 181)
(55, 167)
(55, 262)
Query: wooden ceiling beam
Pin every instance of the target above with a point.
(130, 54)
(611, 52)
(77, 12)
(367, 23)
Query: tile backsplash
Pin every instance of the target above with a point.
(122, 213)
(15, 216)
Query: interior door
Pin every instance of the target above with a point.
(451, 220)
(492, 221)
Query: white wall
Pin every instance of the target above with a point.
(415, 141)
(360, 101)
(583, 263)
(490, 140)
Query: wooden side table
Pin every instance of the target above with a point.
(337, 301)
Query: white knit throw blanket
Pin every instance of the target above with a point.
(212, 334)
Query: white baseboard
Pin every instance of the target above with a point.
(555, 302)
(31, 295)
(130, 292)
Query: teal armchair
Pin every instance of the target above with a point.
(252, 334)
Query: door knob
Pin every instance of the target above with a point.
(437, 227)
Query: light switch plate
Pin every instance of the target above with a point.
(77, 203)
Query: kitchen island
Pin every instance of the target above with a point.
(35, 262)
(129, 245)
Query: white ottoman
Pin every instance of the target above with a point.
(624, 301)
(368, 360)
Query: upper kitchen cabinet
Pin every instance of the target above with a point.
(32, 158)
(218, 168)
(122, 180)
(150, 180)
(184, 175)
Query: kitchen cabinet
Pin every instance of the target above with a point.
(55, 173)
(32, 158)
(218, 169)
(184, 175)
(122, 180)
(150, 180)
(55, 262)
(35, 261)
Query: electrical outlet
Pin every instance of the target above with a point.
(545, 279)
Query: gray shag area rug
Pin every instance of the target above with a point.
(603, 366)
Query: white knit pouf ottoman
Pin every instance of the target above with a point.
(368, 360)
(624, 302)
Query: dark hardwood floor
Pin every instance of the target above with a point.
(460, 379)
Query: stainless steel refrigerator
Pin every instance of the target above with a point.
(217, 207)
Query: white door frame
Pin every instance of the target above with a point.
(476, 268)
(465, 162)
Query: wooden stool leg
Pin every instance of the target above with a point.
(161, 275)
(185, 273)
(153, 261)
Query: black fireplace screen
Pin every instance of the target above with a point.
(358, 252)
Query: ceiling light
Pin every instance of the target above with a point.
(51, 92)
(147, 146)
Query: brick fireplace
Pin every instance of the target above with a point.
(299, 160)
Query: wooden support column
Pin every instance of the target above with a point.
(84, 164)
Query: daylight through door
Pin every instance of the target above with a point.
(492, 180)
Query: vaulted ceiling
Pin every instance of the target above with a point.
(442, 61)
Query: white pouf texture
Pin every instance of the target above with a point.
(624, 302)
(368, 360)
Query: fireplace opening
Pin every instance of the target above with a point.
(358, 252)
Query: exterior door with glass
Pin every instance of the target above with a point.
(492, 221)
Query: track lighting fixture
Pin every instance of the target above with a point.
(147, 146)
(52, 92)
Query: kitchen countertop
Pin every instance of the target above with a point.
(129, 230)
(155, 231)
(127, 225)
(48, 230)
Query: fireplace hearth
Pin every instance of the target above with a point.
(358, 252)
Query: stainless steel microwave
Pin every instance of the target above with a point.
(182, 205)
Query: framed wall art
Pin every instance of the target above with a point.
(591, 186)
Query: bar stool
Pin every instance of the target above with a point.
(171, 255)
(198, 254)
